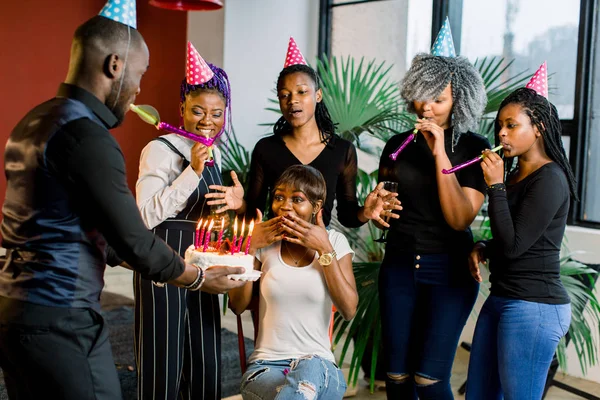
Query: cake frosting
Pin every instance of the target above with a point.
(207, 259)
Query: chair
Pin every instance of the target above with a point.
(253, 308)
(550, 381)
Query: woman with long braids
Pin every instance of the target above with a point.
(178, 332)
(426, 293)
(528, 310)
(306, 135)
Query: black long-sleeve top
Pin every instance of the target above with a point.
(91, 163)
(337, 162)
(528, 222)
(67, 197)
(422, 227)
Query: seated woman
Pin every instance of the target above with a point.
(305, 271)
(528, 310)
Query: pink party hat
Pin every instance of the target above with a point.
(293, 56)
(197, 70)
(539, 81)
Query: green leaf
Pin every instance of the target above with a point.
(235, 158)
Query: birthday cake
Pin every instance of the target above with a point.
(207, 259)
(206, 253)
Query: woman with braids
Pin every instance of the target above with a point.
(177, 332)
(528, 310)
(305, 135)
(425, 290)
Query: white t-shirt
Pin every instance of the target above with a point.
(294, 307)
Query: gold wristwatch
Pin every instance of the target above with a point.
(327, 258)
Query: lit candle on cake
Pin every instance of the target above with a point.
(207, 237)
(250, 229)
(197, 236)
(201, 236)
(234, 235)
(241, 239)
(220, 238)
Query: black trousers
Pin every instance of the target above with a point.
(51, 352)
(177, 336)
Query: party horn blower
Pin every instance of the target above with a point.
(467, 163)
(410, 137)
(151, 116)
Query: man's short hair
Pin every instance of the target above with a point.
(111, 34)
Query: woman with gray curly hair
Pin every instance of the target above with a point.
(425, 289)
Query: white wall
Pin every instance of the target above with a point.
(256, 38)
(206, 31)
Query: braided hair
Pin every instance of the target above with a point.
(544, 117)
(218, 84)
(324, 122)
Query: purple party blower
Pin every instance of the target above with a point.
(163, 126)
(467, 163)
(410, 137)
(150, 115)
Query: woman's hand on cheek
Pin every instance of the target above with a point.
(304, 233)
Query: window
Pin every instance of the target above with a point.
(386, 30)
(530, 32)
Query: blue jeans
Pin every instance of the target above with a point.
(425, 300)
(305, 378)
(513, 346)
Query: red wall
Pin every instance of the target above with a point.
(35, 40)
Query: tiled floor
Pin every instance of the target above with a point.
(119, 281)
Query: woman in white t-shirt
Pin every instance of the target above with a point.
(305, 270)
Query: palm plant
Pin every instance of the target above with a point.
(235, 158)
(578, 279)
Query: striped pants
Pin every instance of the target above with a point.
(177, 337)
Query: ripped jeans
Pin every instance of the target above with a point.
(305, 378)
(425, 300)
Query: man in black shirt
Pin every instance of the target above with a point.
(66, 201)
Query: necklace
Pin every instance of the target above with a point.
(290, 254)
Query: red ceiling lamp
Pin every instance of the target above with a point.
(188, 5)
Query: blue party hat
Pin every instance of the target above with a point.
(444, 45)
(122, 11)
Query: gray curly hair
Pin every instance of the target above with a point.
(429, 75)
